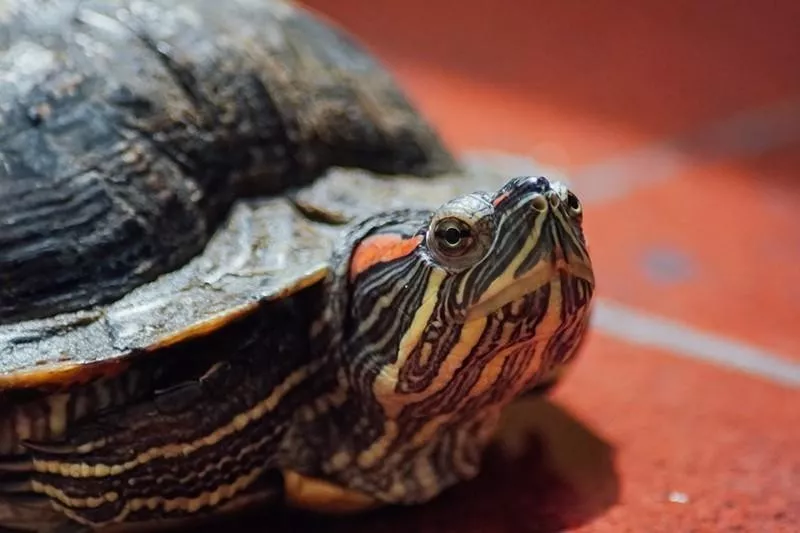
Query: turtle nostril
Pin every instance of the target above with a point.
(539, 203)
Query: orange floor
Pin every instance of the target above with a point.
(679, 122)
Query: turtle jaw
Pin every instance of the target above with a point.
(539, 276)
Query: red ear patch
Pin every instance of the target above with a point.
(500, 199)
(381, 249)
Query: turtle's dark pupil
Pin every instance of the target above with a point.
(452, 236)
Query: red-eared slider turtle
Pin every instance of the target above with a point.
(237, 265)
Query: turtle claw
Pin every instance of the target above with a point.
(220, 377)
(215, 371)
(178, 398)
(185, 395)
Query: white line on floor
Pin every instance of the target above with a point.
(639, 327)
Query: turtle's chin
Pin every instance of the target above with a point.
(536, 325)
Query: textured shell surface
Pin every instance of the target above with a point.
(154, 157)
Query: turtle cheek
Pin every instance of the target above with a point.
(380, 249)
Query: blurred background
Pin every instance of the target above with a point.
(679, 125)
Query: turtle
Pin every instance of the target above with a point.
(239, 268)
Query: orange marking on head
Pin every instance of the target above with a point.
(380, 249)
(497, 201)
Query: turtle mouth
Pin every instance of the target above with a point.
(533, 280)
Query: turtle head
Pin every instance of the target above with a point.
(440, 319)
(468, 305)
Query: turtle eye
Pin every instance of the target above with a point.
(452, 237)
(461, 236)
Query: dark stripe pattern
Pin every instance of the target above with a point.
(420, 414)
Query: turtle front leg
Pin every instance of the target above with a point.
(144, 465)
(203, 447)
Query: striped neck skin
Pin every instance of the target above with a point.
(438, 320)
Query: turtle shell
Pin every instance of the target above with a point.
(157, 170)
